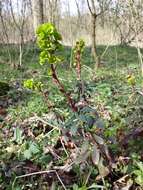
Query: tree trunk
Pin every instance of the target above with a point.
(38, 16)
(94, 50)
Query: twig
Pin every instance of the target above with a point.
(45, 122)
(39, 173)
(139, 92)
(88, 176)
(60, 180)
(64, 148)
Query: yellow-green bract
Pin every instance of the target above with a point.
(33, 85)
(49, 41)
(78, 49)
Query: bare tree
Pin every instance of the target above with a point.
(121, 17)
(135, 15)
(4, 31)
(95, 11)
(19, 19)
(94, 15)
(53, 10)
(80, 15)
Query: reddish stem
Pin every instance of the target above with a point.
(78, 65)
(62, 89)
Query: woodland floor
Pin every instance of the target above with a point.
(36, 151)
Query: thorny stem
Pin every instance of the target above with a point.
(62, 89)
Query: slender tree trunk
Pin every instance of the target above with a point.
(21, 49)
(94, 15)
(94, 49)
(38, 16)
(4, 31)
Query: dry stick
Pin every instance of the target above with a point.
(62, 89)
(64, 148)
(88, 176)
(46, 122)
(37, 173)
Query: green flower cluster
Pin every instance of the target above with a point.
(78, 49)
(49, 41)
(33, 85)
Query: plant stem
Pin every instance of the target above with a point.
(39, 173)
(62, 89)
(78, 65)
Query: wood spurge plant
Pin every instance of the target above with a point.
(49, 41)
(77, 55)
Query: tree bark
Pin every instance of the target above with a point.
(94, 16)
(94, 49)
(38, 15)
(93, 29)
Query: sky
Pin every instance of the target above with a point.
(67, 6)
(70, 5)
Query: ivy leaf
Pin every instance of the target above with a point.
(27, 154)
(34, 148)
(18, 135)
(140, 166)
(99, 124)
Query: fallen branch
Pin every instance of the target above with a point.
(39, 173)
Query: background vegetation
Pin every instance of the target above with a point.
(74, 121)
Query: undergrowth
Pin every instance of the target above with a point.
(44, 144)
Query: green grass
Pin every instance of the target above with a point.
(115, 58)
(118, 62)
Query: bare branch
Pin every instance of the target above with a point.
(89, 7)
